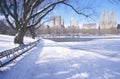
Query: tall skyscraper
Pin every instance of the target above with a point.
(62, 22)
(52, 23)
(107, 22)
(58, 21)
(103, 22)
(111, 20)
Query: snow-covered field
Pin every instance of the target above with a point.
(96, 59)
(6, 42)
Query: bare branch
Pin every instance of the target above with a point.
(15, 12)
(11, 24)
(6, 15)
(8, 8)
(45, 8)
(42, 17)
(13, 15)
(42, 24)
(114, 2)
(33, 5)
(80, 13)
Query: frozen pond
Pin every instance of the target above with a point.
(70, 39)
(80, 39)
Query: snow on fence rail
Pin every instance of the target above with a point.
(8, 55)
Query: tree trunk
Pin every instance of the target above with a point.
(20, 35)
(32, 31)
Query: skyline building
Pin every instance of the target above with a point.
(103, 21)
(52, 22)
(62, 22)
(73, 22)
(107, 22)
(111, 21)
(56, 21)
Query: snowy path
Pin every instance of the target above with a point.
(51, 60)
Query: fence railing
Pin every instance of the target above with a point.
(9, 55)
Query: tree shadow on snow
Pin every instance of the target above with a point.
(24, 65)
(76, 68)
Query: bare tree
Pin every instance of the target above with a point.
(22, 15)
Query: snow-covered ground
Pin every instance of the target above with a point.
(6, 42)
(96, 59)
